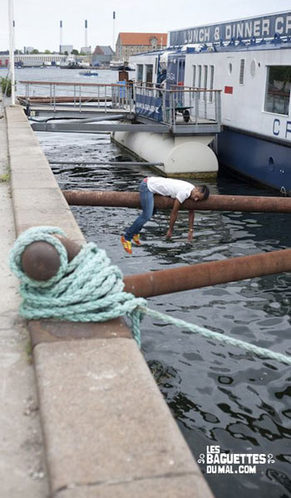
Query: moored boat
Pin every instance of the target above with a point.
(249, 61)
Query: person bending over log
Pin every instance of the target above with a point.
(178, 190)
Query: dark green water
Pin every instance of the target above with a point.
(219, 395)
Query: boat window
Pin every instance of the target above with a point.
(199, 76)
(205, 76)
(278, 89)
(149, 73)
(139, 74)
(194, 77)
(181, 72)
(242, 72)
(199, 79)
(253, 68)
(205, 80)
(211, 82)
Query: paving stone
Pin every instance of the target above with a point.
(104, 417)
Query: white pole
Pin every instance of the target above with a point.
(61, 36)
(86, 34)
(11, 50)
(113, 34)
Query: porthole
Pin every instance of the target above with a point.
(253, 69)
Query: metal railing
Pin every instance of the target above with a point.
(54, 93)
(181, 109)
(178, 106)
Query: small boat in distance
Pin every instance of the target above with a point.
(88, 73)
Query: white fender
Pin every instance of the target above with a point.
(180, 155)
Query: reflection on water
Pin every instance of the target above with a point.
(218, 394)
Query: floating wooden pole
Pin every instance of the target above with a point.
(41, 263)
(213, 203)
(184, 278)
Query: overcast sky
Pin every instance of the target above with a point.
(37, 21)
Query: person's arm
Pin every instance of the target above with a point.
(191, 225)
(173, 217)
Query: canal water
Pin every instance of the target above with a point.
(223, 398)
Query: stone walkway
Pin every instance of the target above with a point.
(22, 470)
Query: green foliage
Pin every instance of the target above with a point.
(6, 86)
(5, 178)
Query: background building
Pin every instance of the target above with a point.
(132, 43)
(102, 56)
(85, 50)
(28, 50)
(66, 48)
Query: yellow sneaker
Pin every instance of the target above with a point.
(136, 239)
(126, 244)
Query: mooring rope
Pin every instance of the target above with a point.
(87, 289)
(90, 289)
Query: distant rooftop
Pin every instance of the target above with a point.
(103, 50)
(142, 38)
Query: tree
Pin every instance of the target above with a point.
(35, 51)
(75, 52)
(47, 52)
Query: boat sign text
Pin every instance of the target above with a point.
(245, 29)
(282, 128)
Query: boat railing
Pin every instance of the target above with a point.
(181, 109)
(179, 105)
(77, 95)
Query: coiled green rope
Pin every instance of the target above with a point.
(90, 289)
(87, 289)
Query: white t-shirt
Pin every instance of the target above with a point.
(177, 189)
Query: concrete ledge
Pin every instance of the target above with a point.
(36, 196)
(109, 411)
(184, 486)
(52, 331)
(107, 430)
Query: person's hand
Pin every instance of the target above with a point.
(169, 234)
